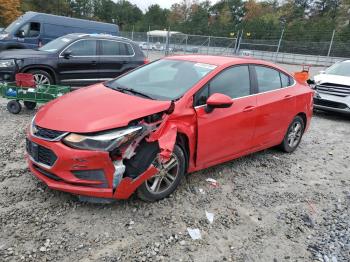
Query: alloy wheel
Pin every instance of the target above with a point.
(294, 135)
(166, 176)
(41, 79)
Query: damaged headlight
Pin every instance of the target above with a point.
(7, 63)
(104, 141)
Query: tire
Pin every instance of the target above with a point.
(29, 105)
(168, 181)
(42, 77)
(14, 107)
(293, 136)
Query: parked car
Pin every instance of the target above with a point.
(33, 30)
(146, 46)
(146, 129)
(74, 59)
(332, 88)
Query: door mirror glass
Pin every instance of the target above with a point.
(67, 54)
(218, 100)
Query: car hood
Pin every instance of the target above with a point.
(95, 108)
(332, 79)
(23, 53)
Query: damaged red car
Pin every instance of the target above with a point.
(143, 131)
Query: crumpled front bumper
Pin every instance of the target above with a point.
(332, 103)
(62, 174)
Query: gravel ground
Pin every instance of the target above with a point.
(269, 206)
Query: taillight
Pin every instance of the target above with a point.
(146, 61)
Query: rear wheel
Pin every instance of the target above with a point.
(166, 180)
(14, 107)
(29, 105)
(293, 136)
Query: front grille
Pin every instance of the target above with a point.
(47, 134)
(41, 154)
(328, 103)
(334, 89)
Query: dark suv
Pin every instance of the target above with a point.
(74, 59)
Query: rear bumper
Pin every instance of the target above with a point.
(62, 174)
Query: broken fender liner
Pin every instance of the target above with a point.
(128, 186)
(166, 137)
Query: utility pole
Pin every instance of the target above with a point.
(331, 44)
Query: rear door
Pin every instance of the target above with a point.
(81, 67)
(275, 105)
(226, 132)
(115, 58)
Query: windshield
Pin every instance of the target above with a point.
(164, 79)
(341, 69)
(12, 27)
(57, 44)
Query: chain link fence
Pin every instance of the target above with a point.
(275, 46)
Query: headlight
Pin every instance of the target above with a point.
(4, 36)
(104, 141)
(7, 63)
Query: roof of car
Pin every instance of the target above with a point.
(215, 60)
(100, 36)
(223, 60)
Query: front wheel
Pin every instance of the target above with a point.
(41, 77)
(166, 180)
(293, 136)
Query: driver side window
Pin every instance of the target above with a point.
(30, 30)
(233, 82)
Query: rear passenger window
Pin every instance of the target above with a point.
(233, 82)
(114, 48)
(285, 80)
(83, 48)
(268, 79)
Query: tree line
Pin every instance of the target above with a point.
(303, 20)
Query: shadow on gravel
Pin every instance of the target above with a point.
(332, 115)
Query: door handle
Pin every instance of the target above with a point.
(94, 63)
(249, 109)
(288, 97)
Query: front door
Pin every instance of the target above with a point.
(29, 35)
(226, 132)
(81, 67)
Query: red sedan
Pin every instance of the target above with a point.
(145, 130)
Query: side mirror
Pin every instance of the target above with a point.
(20, 34)
(67, 54)
(310, 81)
(218, 101)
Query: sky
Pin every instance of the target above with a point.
(143, 4)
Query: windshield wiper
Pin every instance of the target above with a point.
(130, 90)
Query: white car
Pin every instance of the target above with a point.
(332, 88)
(146, 46)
